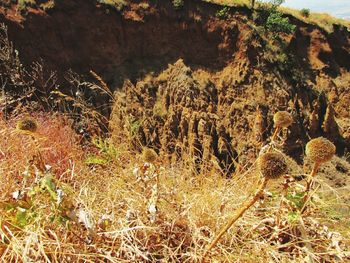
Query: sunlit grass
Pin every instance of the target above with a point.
(323, 20)
(104, 211)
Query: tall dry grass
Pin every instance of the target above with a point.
(104, 212)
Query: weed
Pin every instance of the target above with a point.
(178, 4)
(277, 24)
(305, 12)
(22, 4)
(117, 4)
(223, 13)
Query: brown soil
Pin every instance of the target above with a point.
(196, 85)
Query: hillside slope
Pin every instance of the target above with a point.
(234, 71)
(198, 83)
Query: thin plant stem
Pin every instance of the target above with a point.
(277, 130)
(311, 176)
(309, 184)
(244, 207)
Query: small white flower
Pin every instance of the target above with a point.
(60, 195)
(152, 209)
(136, 172)
(48, 167)
(84, 218)
(17, 195)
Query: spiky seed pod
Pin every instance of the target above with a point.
(282, 119)
(149, 155)
(27, 124)
(320, 150)
(272, 165)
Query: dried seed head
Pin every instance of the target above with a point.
(27, 124)
(149, 155)
(320, 150)
(272, 165)
(282, 119)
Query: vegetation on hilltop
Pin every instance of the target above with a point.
(322, 20)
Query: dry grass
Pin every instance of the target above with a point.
(322, 20)
(104, 215)
(230, 2)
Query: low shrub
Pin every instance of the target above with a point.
(178, 4)
(276, 24)
(117, 4)
(305, 12)
(223, 12)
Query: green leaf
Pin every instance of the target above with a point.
(21, 217)
(293, 217)
(48, 184)
(297, 199)
(95, 160)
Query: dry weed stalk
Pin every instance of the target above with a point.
(282, 119)
(271, 165)
(150, 156)
(29, 127)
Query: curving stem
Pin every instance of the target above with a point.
(277, 130)
(244, 207)
(309, 183)
(311, 176)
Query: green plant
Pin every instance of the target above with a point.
(107, 153)
(22, 4)
(277, 24)
(305, 12)
(117, 4)
(178, 4)
(223, 12)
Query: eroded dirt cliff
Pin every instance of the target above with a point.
(195, 85)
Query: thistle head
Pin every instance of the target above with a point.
(27, 124)
(149, 155)
(272, 165)
(282, 119)
(320, 150)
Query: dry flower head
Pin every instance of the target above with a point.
(272, 165)
(320, 150)
(149, 155)
(27, 124)
(282, 119)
